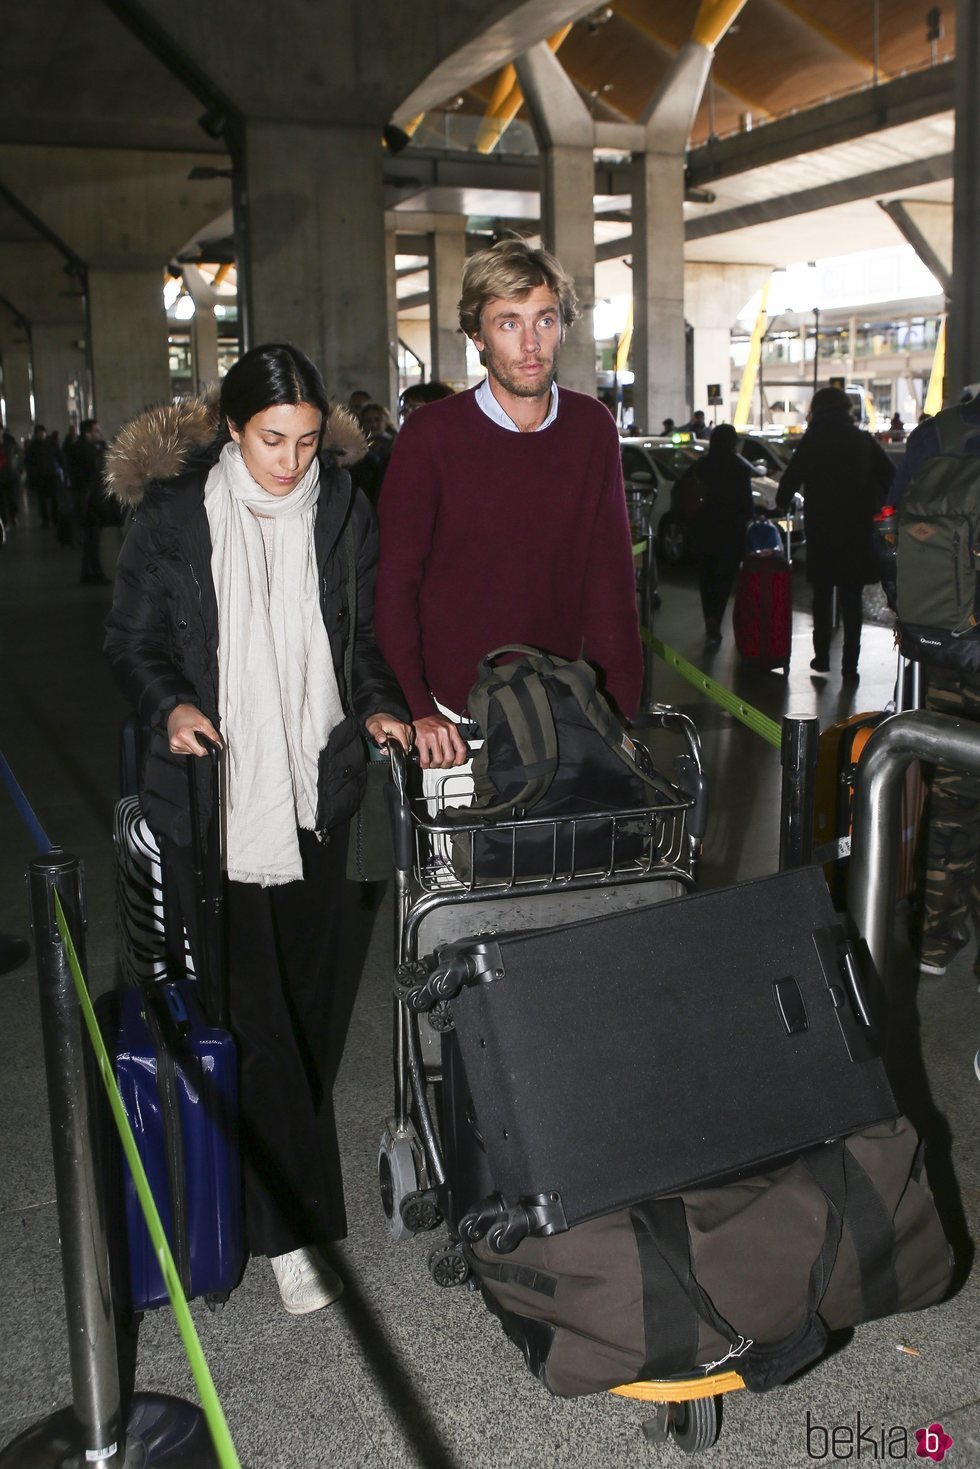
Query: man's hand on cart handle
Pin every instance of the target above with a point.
(184, 722)
(439, 742)
(385, 727)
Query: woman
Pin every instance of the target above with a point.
(232, 619)
(725, 483)
(843, 475)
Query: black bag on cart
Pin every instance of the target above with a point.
(657, 1048)
(552, 748)
(750, 1275)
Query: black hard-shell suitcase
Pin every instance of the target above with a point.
(641, 1052)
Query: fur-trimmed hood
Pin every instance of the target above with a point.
(160, 443)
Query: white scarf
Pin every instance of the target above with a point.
(277, 686)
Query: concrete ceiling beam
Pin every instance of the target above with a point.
(928, 227)
(492, 47)
(906, 99)
(825, 196)
(559, 115)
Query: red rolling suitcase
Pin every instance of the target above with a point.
(762, 616)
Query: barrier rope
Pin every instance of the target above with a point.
(214, 1414)
(754, 719)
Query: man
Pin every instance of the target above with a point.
(86, 466)
(951, 892)
(503, 514)
(844, 476)
(43, 470)
(696, 425)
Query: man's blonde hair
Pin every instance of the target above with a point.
(510, 270)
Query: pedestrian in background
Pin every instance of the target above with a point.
(843, 475)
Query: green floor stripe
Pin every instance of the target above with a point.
(756, 721)
(217, 1424)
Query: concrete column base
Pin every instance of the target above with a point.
(659, 350)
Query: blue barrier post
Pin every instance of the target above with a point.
(158, 1430)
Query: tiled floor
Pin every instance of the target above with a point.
(401, 1373)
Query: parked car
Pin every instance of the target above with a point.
(661, 464)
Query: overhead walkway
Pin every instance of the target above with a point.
(400, 1373)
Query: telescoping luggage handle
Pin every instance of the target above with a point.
(208, 882)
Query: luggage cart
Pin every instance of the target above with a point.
(438, 901)
(649, 854)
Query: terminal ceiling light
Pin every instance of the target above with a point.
(598, 19)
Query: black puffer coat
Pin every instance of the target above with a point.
(844, 475)
(162, 632)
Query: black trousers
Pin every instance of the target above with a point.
(716, 577)
(282, 952)
(849, 600)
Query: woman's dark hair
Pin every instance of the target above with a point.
(270, 374)
(830, 400)
(723, 440)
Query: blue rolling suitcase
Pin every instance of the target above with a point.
(177, 1072)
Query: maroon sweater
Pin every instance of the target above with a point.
(492, 537)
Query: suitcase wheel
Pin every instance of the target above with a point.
(447, 1266)
(398, 1177)
(692, 1426)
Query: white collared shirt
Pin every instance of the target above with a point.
(492, 408)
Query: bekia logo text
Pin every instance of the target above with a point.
(860, 1440)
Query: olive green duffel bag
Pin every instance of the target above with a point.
(751, 1274)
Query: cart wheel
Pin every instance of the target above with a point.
(448, 1267)
(397, 1178)
(693, 1425)
(420, 1211)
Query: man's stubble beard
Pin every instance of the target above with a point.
(516, 384)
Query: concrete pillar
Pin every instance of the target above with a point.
(963, 342)
(391, 303)
(15, 358)
(447, 256)
(568, 230)
(204, 329)
(659, 355)
(565, 132)
(59, 361)
(317, 268)
(714, 294)
(659, 352)
(129, 343)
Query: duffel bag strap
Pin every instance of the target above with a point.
(761, 1366)
(671, 1304)
(871, 1227)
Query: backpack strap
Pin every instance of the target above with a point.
(520, 696)
(580, 678)
(953, 430)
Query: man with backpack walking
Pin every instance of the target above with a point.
(937, 491)
(503, 515)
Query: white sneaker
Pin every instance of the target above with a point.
(926, 968)
(976, 1065)
(306, 1282)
